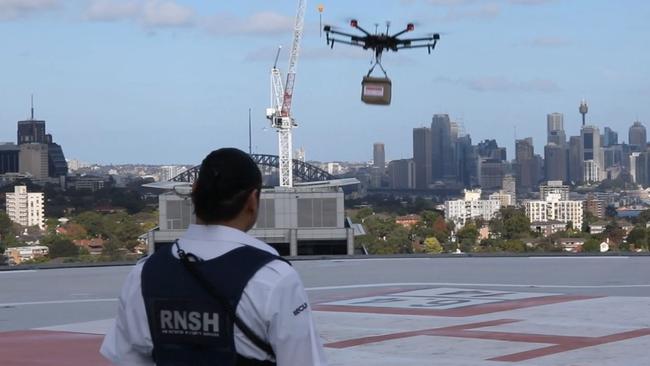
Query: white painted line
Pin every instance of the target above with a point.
(52, 302)
(18, 271)
(91, 327)
(603, 257)
(371, 285)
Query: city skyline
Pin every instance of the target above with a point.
(151, 74)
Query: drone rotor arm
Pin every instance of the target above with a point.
(429, 46)
(362, 30)
(346, 42)
(339, 33)
(400, 33)
(422, 39)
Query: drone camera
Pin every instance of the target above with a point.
(354, 23)
(410, 27)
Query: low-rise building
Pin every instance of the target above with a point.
(547, 228)
(506, 199)
(408, 221)
(26, 208)
(18, 255)
(471, 207)
(572, 245)
(94, 246)
(553, 208)
(554, 187)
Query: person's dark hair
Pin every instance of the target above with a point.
(226, 179)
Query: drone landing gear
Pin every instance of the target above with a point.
(376, 90)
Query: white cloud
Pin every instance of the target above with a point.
(261, 23)
(149, 13)
(110, 10)
(165, 13)
(14, 9)
(503, 84)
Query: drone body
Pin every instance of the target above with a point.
(378, 90)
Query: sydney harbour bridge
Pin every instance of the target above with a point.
(301, 170)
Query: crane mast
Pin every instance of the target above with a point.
(280, 112)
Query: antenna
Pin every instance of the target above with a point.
(32, 107)
(277, 55)
(250, 138)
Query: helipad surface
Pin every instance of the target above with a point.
(454, 311)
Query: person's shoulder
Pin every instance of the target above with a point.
(275, 272)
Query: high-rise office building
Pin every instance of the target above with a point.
(442, 148)
(422, 155)
(32, 132)
(610, 137)
(32, 160)
(526, 165)
(402, 174)
(491, 173)
(509, 185)
(637, 137)
(379, 157)
(489, 149)
(25, 208)
(575, 159)
(466, 161)
(613, 156)
(555, 162)
(641, 168)
(9, 153)
(555, 129)
(591, 151)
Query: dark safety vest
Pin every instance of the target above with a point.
(189, 326)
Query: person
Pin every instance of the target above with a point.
(217, 296)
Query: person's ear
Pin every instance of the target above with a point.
(252, 203)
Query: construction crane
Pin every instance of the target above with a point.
(281, 97)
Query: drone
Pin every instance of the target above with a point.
(378, 90)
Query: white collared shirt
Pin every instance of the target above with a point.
(267, 306)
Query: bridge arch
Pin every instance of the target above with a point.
(301, 170)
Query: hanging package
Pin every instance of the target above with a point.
(376, 90)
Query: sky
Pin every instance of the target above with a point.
(167, 81)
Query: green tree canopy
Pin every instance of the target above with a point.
(511, 223)
(60, 246)
(432, 245)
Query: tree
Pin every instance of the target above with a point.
(513, 246)
(591, 245)
(467, 236)
(432, 246)
(511, 223)
(75, 231)
(610, 211)
(60, 246)
(7, 231)
(614, 232)
(441, 229)
(364, 213)
(638, 236)
(92, 222)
